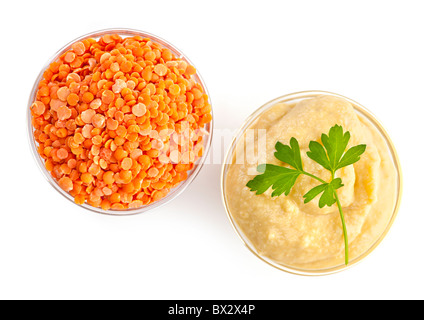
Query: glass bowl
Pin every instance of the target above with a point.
(191, 175)
(294, 98)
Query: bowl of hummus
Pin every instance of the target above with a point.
(304, 238)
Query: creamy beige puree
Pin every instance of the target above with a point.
(300, 235)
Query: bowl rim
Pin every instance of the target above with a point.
(174, 192)
(291, 97)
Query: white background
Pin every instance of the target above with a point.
(248, 53)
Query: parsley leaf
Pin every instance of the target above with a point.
(318, 154)
(351, 156)
(335, 143)
(281, 179)
(327, 190)
(289, 154)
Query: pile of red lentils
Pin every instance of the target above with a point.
(119, 122)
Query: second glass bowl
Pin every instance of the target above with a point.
(292, 99)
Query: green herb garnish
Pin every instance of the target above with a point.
(331, 154)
